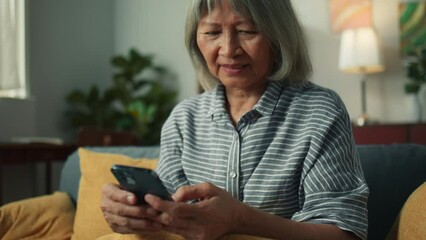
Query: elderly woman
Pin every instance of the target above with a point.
(263, 151)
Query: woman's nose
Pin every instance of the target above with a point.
(229, 46)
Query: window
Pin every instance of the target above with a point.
(12, 49)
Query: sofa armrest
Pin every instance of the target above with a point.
(392, 173)
(49, 216)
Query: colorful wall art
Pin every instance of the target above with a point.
(412, 20)
(346, 14)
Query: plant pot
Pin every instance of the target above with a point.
(413, 108)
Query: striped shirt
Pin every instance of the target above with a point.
(292, 155)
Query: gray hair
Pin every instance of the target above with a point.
(274, 18)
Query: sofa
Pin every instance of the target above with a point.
(393, 173)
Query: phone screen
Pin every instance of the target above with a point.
(140, 181)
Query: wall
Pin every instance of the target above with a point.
(70, 44)
(156, 27)
(70, 47)
(385, 95)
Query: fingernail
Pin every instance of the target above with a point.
(148, 197)
(130, 199)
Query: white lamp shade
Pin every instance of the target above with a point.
(360, 52)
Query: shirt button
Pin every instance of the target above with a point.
(233, 174)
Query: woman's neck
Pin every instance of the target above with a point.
(240, 101)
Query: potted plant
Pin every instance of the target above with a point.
(138, 100)
(416, 73)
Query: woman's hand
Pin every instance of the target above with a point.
(215, 214)
(123, 215)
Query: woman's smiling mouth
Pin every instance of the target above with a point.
(233, 68)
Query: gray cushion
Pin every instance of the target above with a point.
(70, 175)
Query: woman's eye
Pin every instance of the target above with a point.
(212, 33)
(248, 32)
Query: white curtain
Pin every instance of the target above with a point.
(9, 45)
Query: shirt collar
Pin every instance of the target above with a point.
(217, 110)
(265, 106)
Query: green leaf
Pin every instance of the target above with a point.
(110, 95)
(76, 97)
(160, 69)
(412, 87)
(134, 101)
(119, 61)
(134, 55)
(93, 98)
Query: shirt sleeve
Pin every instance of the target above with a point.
(333, 189)
(169, 167)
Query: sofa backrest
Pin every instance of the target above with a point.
(70, 175)
(392, 173)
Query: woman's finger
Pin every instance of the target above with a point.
(120, 209)
(172, 214)
(175, 209)
(115, 193)
(122, 224)
(175, 221)
(195, 192)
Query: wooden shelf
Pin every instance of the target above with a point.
(390, 134)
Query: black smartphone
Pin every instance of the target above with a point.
(140, 181)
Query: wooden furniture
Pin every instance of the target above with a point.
(99, 137)
(26, 153)
(390, 134)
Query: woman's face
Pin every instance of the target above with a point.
(235, 52)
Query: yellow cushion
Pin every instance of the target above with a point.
(89, 221)
(411, 222)
(170, 236)
(45, 217)
(95, 172)
(148, 236)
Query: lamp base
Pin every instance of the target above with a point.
(362, 120)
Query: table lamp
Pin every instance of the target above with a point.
(360, 54)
